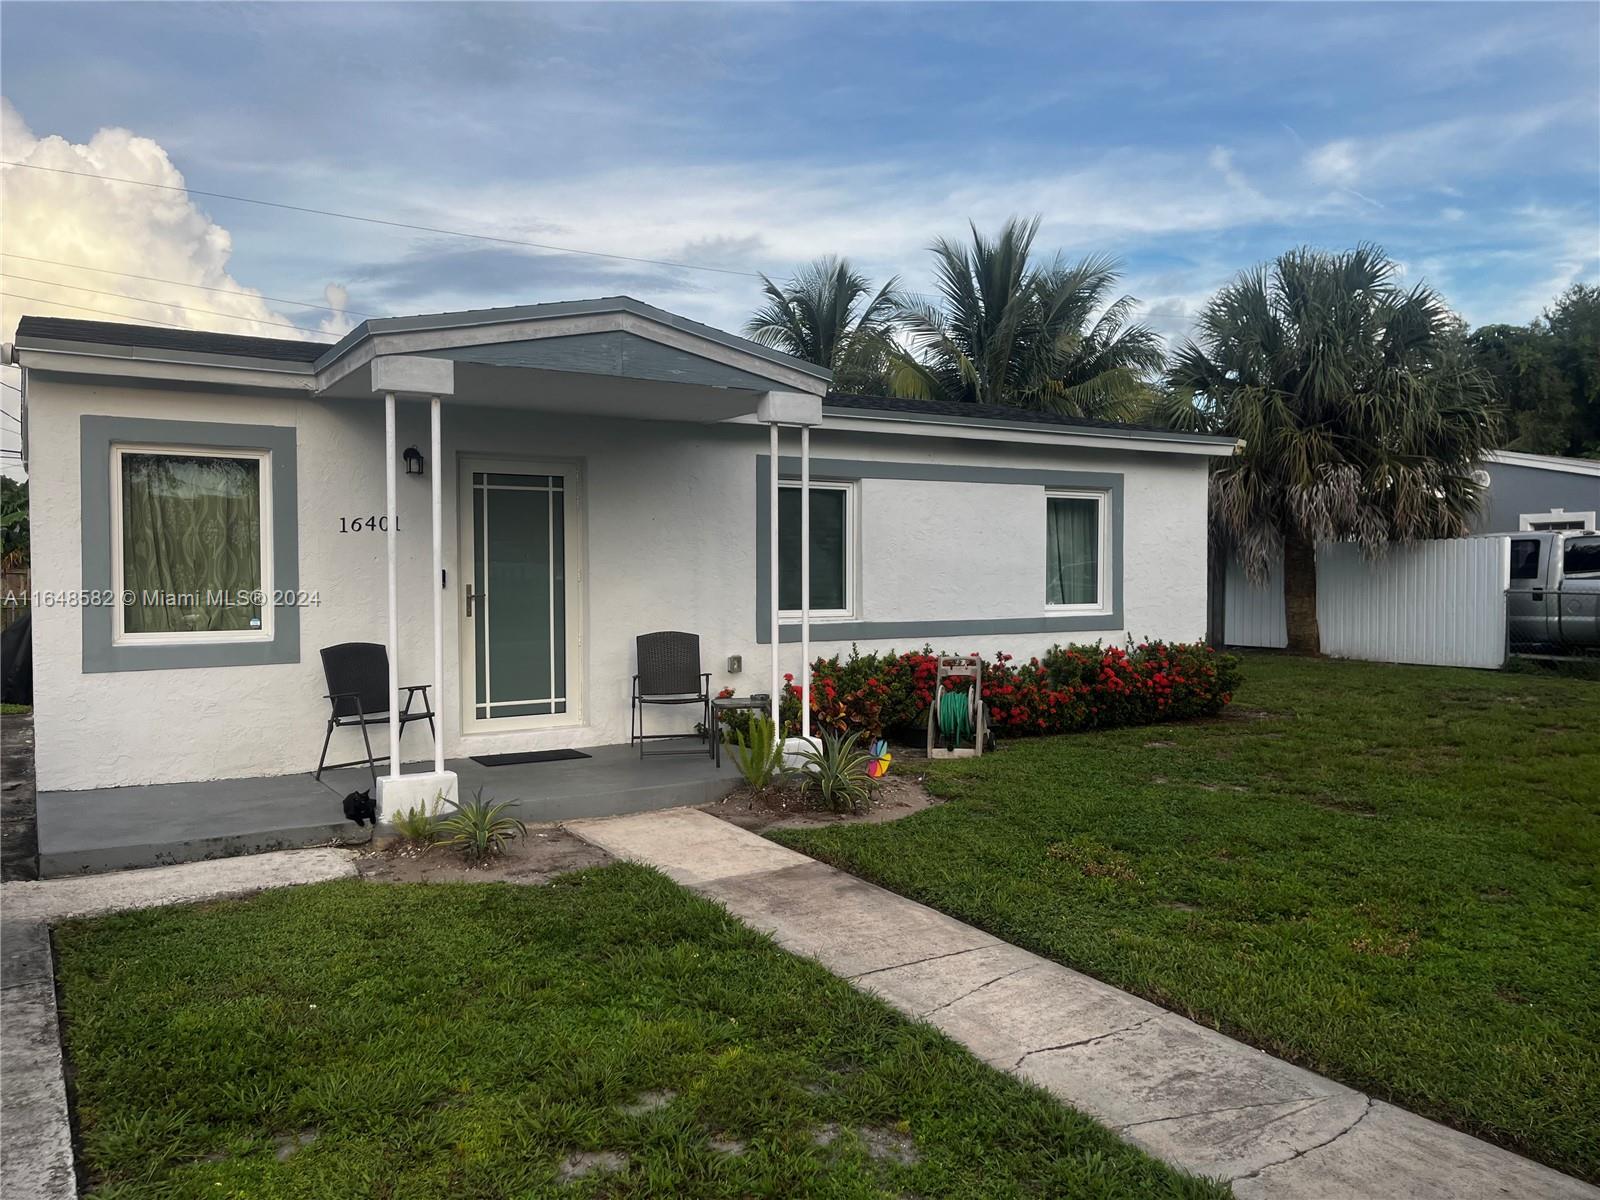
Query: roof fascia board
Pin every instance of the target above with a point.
(240, 362)
(1544, 462)
(122, 362)
(978, 429)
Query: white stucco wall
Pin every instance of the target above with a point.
(669, 544)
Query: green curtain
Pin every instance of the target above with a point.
(1073, 551)
(828, 549)
(191, 540)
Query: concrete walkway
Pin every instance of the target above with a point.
(36, 1151)
(1185, 1093)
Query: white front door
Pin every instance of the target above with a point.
(521, 542)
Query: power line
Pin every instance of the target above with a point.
(180, 283)
(323, 212)
(210, 312)
(104, 312)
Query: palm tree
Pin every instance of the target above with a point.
(1362, 416)
(828, 314)
(1006, 331)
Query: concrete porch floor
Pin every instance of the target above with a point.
(108, 829)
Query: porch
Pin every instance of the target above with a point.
(106, 829)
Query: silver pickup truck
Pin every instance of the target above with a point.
(1554, 597)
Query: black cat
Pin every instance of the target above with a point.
(360, 808)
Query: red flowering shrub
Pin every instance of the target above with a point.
(1068, 689)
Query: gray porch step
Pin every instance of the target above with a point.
(110, 829)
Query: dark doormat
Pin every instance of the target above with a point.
(511, 760)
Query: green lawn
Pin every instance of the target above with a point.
(1387, 874)
(463, 1040)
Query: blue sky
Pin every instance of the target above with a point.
(1187, 140)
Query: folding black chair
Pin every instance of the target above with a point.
(358, 691)
(669, 673)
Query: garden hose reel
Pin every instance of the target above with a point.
(957, 718)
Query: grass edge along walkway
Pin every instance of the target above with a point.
(467, 1039)
(1386, 874)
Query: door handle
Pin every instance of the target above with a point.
(1533, 595)
(471, 598)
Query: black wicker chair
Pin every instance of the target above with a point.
(669, 673)
(358, 691)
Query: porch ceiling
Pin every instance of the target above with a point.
(500, 385)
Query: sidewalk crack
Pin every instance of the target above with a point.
(1099, 1037)
(914, 962)
(1302, 1153)
(1309, 1102)
(976, 990)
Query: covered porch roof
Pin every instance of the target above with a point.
(610, 357)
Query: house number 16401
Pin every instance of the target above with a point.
(357, 524)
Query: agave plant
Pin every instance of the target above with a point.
(480, 828)
(837, 768)
(757, 752)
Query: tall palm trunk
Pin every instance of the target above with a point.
(1300, 594)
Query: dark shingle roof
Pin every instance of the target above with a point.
(981, 412)
(147, 337)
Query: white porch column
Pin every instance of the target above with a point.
(805, 582)
(802, 411)
(772, 546)
(419, 378)
(390, 541)
(436, 475)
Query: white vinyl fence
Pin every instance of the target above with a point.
(1441, 603)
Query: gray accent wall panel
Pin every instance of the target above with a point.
(861, 630)
(97, 434)
(1515, 489)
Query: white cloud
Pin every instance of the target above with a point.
(117, 228)
(1431, 154)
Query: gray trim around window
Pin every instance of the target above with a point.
(834, 469)
(97, 435)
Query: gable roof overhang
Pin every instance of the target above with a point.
(616, 357)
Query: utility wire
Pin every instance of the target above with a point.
(323, 212)
(180, 283)
(210, 312)
(104, 312)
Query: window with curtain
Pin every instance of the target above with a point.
(191, 543)
(1072, 550)
(830, 550)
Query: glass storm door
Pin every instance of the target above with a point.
(519, 598)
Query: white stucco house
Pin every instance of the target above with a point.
(602, 469)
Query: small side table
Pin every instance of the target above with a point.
(724, 704)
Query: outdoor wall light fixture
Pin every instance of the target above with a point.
(413, 458)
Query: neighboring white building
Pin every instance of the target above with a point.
(604, 474)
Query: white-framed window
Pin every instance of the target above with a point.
(833, 553)
(191, 544)
(1556, 519)
(1077, 551)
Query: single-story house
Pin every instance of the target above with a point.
(209, 511)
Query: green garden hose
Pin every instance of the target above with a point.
(955, 718)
